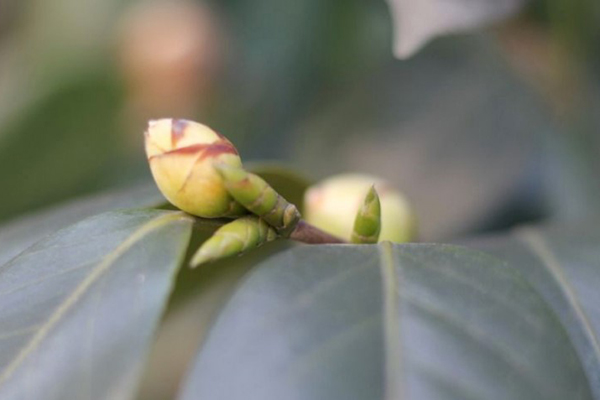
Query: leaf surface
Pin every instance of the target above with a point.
(21, 233)
(80, 307)
(563, 264)
(387, 322)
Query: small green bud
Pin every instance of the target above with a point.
(367, 224)
(234, 238)
(256, 195)
(332, 205)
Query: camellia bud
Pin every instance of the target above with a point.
(332, 205)
(234, 238)
(181, 155)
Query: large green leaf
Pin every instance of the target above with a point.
(395, 322)
(563, 263)
(197, 301)
(79, 308)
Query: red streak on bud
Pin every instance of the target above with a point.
(217, 149)
(177, 130)
(203, 150)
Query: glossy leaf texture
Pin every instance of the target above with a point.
(418, 21)
(417, 321)
(22, 232)
(563, 263)
(79, 308)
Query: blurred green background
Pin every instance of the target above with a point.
(481, 131)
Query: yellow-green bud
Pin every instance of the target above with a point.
(234, 238)
(256, 195)
(367, 224)
(181, 154)
(332, 206)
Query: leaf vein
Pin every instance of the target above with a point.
(503, 353)
(393, 374)
(18, 332)
(541, 249)
(81, 289)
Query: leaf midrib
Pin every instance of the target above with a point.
(81, 289)
(393, 382)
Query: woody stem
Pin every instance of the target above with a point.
(307, 233)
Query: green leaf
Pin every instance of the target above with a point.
(395, 322)
(79, 308)
(563, 264)
(66, 143)
(19, 234)
(197, 301)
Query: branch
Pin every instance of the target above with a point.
(307, 233)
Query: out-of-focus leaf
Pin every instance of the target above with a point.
(17, 235)
(287, 182)
(418, 21)
(66, 144)
(62, 132)
(80, 307)
(290, 53)
(397, 322)
(61, 39)
(453, 129)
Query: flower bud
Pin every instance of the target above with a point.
(367, 224)
(333, 204)
(181, 154)
(256, 195)
(234, 238)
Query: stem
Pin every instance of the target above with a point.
(307, 233)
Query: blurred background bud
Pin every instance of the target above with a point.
(332, 205)
(170, 54)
